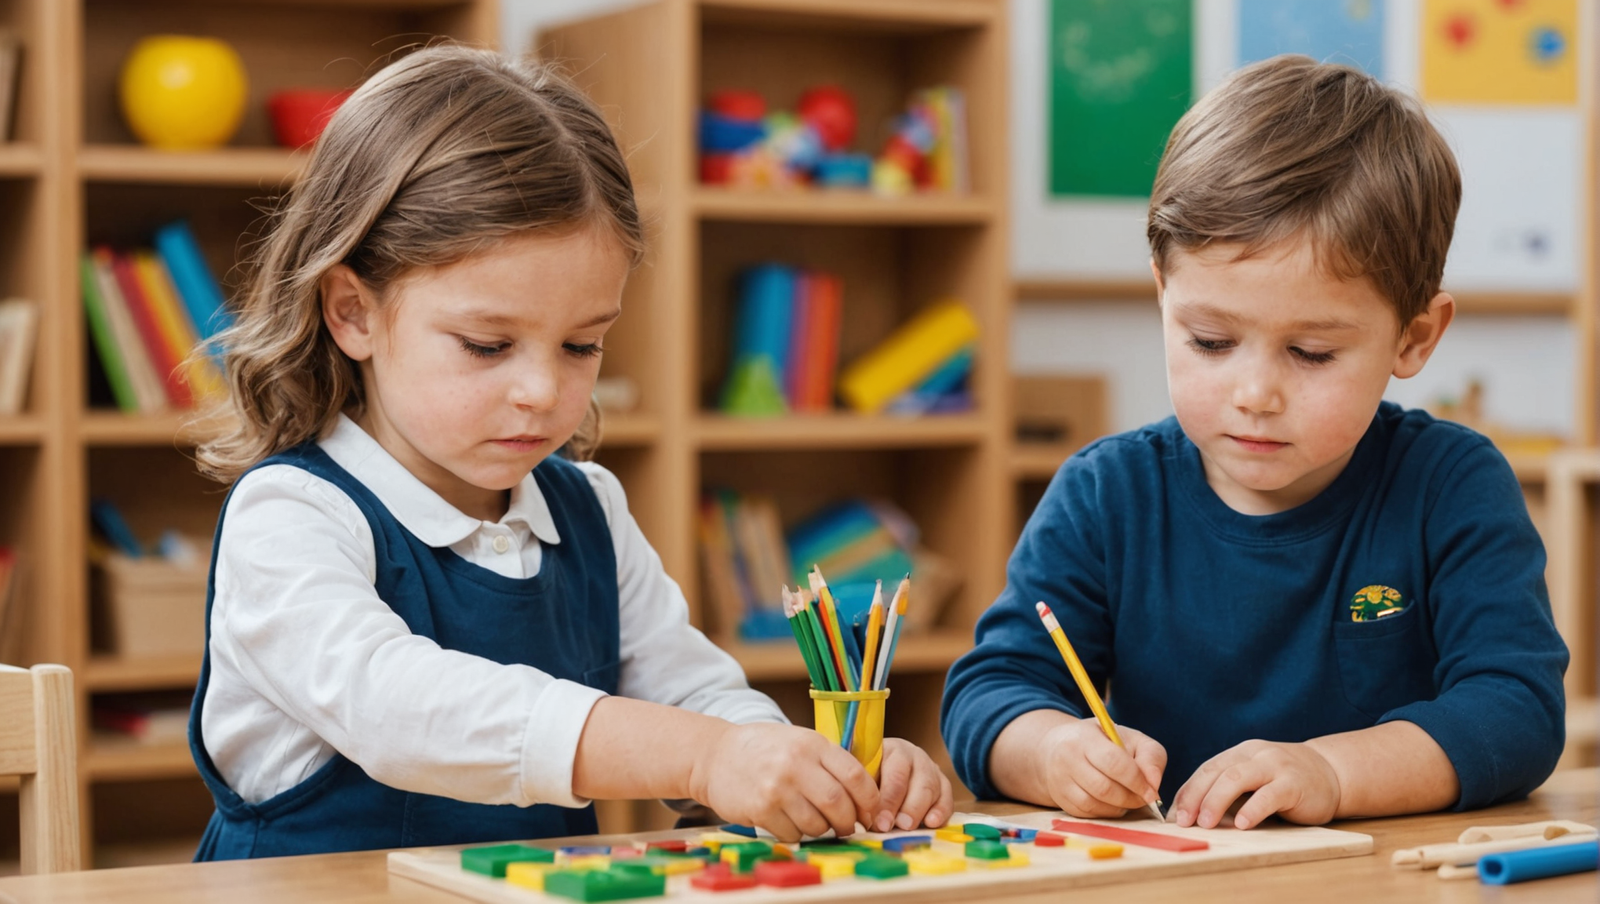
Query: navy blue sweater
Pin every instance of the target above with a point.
(1412, 588)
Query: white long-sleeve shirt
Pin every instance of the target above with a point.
(307, 661)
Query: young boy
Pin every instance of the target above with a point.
(1299, 595)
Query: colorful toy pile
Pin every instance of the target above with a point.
(735, 858)
(742, 145)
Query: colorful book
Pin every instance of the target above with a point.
(198, 288)
(104, 337)
(148, 390)
(177, 330)
(19, 331)
(908, 356)
(723, 584)
(825, 312)
(167, 364)
(802, 364)
(761, 340)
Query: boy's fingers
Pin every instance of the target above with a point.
(1245, 775)
(1125, 783)
(1185, 808)
(1273, 797)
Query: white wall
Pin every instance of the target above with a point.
(1526, 363)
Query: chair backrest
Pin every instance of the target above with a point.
(37, 743)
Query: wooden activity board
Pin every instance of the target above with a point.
(1048, 868)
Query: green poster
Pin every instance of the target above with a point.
(1120, 77)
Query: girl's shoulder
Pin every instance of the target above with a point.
(279, 493)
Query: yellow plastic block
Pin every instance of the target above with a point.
(715, 840)
(529, 875)
(1017, 858)
(954, 836)
(927, 863)
(910, 354)
(1106, 851)
(870, 842)
(682, 865)
(582, 861)
(835, 866)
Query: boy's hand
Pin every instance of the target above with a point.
(1290, 779)
(912, 790)
(1088, 776)
(790, 781)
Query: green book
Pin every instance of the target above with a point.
(105, 339)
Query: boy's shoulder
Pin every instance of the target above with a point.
(1417, 443)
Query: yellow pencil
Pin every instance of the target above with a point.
(1085, 686)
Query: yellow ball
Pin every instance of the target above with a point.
(183, 93)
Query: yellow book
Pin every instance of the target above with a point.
(908, 356)
(172, 319)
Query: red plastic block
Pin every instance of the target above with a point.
(718, 877)
(1130, 836)
(1045, 839)
(676, 845)
(787, 873)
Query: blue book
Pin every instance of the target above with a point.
(764, 318)
(199, 289)
(107, 518)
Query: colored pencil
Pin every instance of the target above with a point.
(1085, 686)
(891, 633)
(792, 611)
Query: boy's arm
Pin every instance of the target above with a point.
(1014, 669)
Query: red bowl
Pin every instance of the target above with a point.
(298, 115)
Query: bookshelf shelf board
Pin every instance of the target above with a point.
(1087, 288)
(779, 660)
(1514, 303)
(248, 167)
(842, 208)
(1035, 464)
(619, 430)
(20, 159)
(836, 431)
(905, 16)
(20, 430)
(116, 759)
(172, 428)
(116, 673)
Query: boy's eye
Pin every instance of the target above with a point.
(583, 351)
(1311, 357)
(1209, 346)
(481, 351)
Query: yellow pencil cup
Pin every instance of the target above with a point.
(833, 710)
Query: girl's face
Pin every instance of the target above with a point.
(478, 370)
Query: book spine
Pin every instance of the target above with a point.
(200, 373)
(104, 336)
(827, 301)
(19, 329)
(801, 358)
(908, 356)
(196, 286)
(155, 343)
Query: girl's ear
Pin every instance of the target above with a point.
(348, 311)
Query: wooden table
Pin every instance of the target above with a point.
(363, 877)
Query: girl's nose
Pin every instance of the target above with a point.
(536, 386)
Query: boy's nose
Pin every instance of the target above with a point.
(1258, 391)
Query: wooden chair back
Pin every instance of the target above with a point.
(38, 744)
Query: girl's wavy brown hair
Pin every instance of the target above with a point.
(436, 157)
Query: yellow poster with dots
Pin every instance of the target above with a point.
(1521, 52)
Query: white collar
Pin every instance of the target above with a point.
(419, 509)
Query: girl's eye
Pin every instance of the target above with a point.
(1312, 357)
(481, 351)
(583, 351)
(1209, 347)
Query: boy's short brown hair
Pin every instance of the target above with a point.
(1289, 147)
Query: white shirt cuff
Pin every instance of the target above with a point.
(550, 744)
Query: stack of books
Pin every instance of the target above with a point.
(746, 562)
(785, 343)
(148, 310)
(19, 332)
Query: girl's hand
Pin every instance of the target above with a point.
(790, 781)
(1088, 776)
(1289, 779)
(912, 790)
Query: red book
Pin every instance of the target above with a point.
(801, 364)
(826, 308)
(144, 318)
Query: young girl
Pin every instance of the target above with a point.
(424, 628)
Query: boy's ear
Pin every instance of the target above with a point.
(1422, 335)
(348, 311)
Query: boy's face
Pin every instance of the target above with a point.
(1276, 367)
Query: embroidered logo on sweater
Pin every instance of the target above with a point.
(1375, 601)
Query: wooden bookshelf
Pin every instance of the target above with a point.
(651, 66)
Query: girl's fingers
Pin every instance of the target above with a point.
(860, 791)
(895, 776)
(924, 793)
(780, 825)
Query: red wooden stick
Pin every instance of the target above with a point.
(1131, 836)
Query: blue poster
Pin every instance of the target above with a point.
(1330, 31)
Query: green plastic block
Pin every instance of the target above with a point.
(604, 885)
(747, 852)
(882, 867)
(755, 390)
(650, 863)
(981, 832)
(491, 861)
(984, 849)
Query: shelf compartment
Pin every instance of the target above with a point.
(841, 430)
(114, 759)
(780, 660)
(169, 429)
(903, 16)
(1035, 464)
(282, 45)
(250, 167)
(116, 673)
(21, 430)
(842, 207)
(20, 160)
